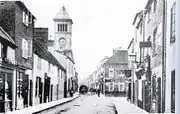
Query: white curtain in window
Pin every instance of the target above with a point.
(11, 54)
(24, 48)
(24, 17)
(27, 18)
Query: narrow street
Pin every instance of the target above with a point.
(85, 104)
(55, 54)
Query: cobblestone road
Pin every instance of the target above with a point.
(85, 104)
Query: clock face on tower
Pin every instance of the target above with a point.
(62, 43)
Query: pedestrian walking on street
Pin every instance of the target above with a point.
(98, 92)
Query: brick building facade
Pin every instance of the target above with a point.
(18, 21)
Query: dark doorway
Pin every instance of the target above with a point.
(30, 94)
(173, 91)
(129, 91)
(65, 89)
(159, 95)
(25, 87)
(51, 97)
(41, 92)
(46, 88)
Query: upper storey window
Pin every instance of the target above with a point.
(62, 28)
(173, 22)
(27, 18)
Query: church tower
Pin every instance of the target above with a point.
(63, 33)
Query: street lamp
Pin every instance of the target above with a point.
(103, 79)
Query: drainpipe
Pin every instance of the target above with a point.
(177, 60)
(143, 91)
(163, 57)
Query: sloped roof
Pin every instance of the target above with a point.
(5, 37)
(130, 43)
(136, 16)
(69, 55)
(63, 15)
(22, 4)
(119, 57)
(42, 52)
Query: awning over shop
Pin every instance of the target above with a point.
(4, 37)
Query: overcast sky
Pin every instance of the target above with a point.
(99, 26)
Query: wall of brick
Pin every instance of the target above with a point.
(22, 31)
(7, 15)
(42, 35)
(11, 17)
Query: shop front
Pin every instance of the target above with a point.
(7, 72)
(6, 89)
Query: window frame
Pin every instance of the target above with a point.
(172, 25)
(154, 5)
(29, 51)
(26, 18)
(39, 61)
(154, 46)
(24, 48)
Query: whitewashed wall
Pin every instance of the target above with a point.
(170, 61)
(40, 73)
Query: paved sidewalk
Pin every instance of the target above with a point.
(43, 106)
(124, 107)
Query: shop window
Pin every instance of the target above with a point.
(19, 84)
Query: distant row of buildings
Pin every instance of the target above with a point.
(147, 72)
(152, 57)
(33, 69)
(110, 75)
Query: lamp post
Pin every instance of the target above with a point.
(104, 83)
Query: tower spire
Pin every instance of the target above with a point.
(63, 8)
